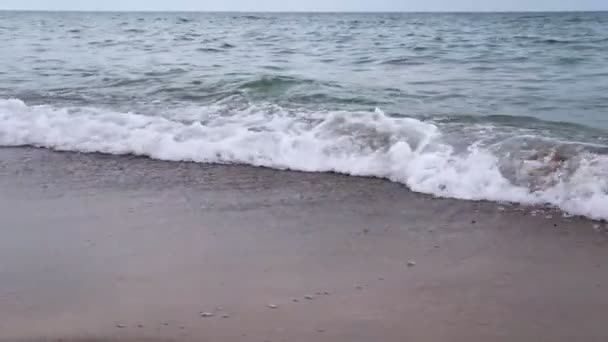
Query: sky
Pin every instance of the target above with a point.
(307, 5)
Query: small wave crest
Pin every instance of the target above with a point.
(414, 152)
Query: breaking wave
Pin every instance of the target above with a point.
(471, 161)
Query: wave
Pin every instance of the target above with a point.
(402, 61)
(250, 17)
(270, 83)
(424, 155)
(209, 50)
(554, 41)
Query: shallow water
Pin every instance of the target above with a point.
(506, 107)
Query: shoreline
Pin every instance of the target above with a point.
(95, 161)
(93, 246)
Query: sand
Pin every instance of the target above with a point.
(119, 248)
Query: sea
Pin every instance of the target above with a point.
(505, 107)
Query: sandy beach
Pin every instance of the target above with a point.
(120, 248)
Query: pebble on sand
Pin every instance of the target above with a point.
(121, 326)
(309, 297)
(411, 263)
(295, 300)
(225, 316)
(273, 306)
(206, 314)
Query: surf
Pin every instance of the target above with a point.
(420, 154)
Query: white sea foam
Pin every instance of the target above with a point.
(404, 150)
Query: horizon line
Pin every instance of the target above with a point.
(300, 12)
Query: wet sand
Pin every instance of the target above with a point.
(109, 248)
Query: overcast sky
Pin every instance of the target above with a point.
(308, 5)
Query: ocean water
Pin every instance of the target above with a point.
(502, 107)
